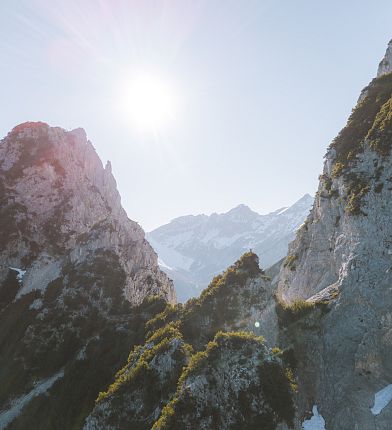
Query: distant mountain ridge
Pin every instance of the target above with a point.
(194, 248)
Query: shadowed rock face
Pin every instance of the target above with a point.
(75, 277)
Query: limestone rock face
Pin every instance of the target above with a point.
(342, 257)
(78, 280)
(385, 65)
(57, 202)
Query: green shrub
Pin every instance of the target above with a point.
(337, 169)
(291, 312)
(379, 136)
(357, 189)
(169, 314)
(276, 351)
(370, 124)
(290, 262)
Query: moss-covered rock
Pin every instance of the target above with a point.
(234, 384)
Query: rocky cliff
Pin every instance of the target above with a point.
(75, 277)
(58, 202)
(342, 257)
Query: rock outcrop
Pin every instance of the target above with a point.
(144, 385)
(385, 65)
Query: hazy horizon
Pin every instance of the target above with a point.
(261, 89)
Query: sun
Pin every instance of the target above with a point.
(150, 102)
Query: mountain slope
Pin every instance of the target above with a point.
(193, 249)
(71, 266)
(189, 374)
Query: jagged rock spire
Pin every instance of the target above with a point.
(385, 65)
(54, 181)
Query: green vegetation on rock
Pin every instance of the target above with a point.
(86, 329)
(259, 388)
(291, 312)
(290, 262)
(200, 354)
(226, 300)
(369, 125)
(369, 121)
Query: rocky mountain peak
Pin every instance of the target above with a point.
(385, 65)
(305, 200)
(241, 213)
(78, 280)
(59, 202)
(242, 209)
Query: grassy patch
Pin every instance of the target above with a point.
(357, 188)
(289, 313)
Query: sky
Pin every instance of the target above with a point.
(260, 87)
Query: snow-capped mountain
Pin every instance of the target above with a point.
(192, 249)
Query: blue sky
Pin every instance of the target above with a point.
(263, 87)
